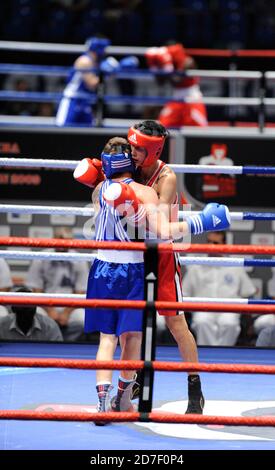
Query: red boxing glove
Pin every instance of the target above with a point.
(178, 55)
(123, 198)
(165, 60)
(89, 172)
(159, 58)
(151, 57)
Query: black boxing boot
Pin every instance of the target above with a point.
(136, 386)
(195, 396)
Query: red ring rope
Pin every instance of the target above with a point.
(136, 246)
(157, 417)
(137, 304)
(259, 53)
(89, 364)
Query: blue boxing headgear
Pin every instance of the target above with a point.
(97, 45)
(119, 162)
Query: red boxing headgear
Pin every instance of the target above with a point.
(153, 144)
(178, 54)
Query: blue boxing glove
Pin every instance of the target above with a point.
(109, 65)
(129, 62)
(214, 217)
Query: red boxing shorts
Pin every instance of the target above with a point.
(183, 114)
(170, 281)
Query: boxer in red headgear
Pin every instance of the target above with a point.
(147, 140)
(189, 110)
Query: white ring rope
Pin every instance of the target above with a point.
(225, 74)
(71, 164)
(213, 169)
(80, 211)
(270, 75)
(41, 97)
(39, 163)
(66, 48)
(75, 257)
(46, 255)
(46, 210)
(225, 101)
(40, 294)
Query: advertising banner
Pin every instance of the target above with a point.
(249, 191)
(36, 185)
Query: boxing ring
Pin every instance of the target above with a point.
(238, 383)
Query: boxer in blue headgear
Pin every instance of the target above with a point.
(80, 92)
(118, 275)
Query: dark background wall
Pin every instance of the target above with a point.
(200, 23)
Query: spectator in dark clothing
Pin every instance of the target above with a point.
(24, 323)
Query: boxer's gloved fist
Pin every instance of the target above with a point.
(214, 217)
(129, 62)
(151, 55)
(165, 61)
(109, 65)
(159, 58)
(123, 198)
(89, 172)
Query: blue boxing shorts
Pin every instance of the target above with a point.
(118, 282)
(74, 112)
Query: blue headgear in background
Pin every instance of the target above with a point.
(97, 45)
(120, 162)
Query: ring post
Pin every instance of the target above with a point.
(100, 92)
(261, 108)
(148, 347)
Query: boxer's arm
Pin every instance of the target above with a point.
(122, 197)
(90, 78)
(95, 199)
(214, 217)
(95, 195)
(167, 187)
(138, 203)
